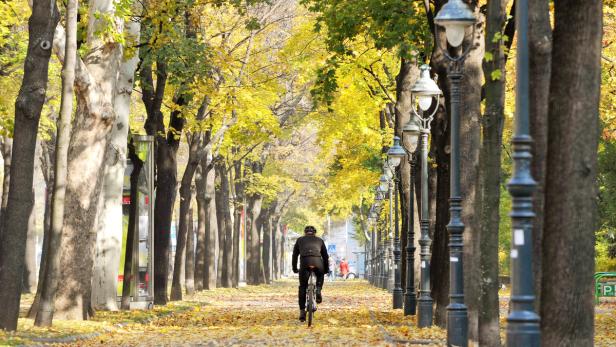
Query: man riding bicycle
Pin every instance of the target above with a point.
(313, 254)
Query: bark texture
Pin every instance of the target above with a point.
(488, 198)
(200, 252)
(7, 149)
(29, 277)
(109, 236)
(571, 216)
(185, 200)
(189, 275)
(20, 203)
(211, 226)
(470, 145)
(95, 85)
(540, 50)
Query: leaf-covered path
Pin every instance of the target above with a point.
(352, 313)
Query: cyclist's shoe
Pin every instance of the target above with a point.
(302, 315)
(319, 297)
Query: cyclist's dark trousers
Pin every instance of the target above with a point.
(304, 274)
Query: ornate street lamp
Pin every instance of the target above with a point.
(523, 321)
(410, 134)
(425, 91)
(455, 16)
(394, 158)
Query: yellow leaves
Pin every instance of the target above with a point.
(352, 312)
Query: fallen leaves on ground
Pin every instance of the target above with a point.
(353, 313)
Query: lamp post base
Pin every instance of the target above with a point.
(424, 312)
(398, 298)
(523, 329)
(457, 325)
(410, 304)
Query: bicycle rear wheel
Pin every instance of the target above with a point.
(310, 312)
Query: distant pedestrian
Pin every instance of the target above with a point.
(344, 268)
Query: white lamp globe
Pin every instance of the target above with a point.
(455, 16)
(394, 161)
(425, 101)
(455, 33)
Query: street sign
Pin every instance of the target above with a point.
(331, 249)
(606, 289)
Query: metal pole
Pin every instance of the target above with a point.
(383, 261)
(373, 256)
(397, 300)
(379, 267)
(522, 322)
(410, 302)
(391, 276)
(424, 302)
(457, 313)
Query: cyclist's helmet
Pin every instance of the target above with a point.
(310, 230)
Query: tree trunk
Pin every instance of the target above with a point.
(109, 235)
(27, 114)
(540, 51)
(87, 156)
(439, 262)
(470, 144)
(238, 211)
(7, 149)
(166, 190)
(211, 230)
(227, 255)
(131, 231)
(267, 244)
(221, 225)
(189, 275)
(29, 277)
(184, 216)
(276, 248)
(567, 316)
(200, 252)
(404, 82)
(47, 153)
(488, 198)
(253, 257)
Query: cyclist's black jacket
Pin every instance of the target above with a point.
(312, 252)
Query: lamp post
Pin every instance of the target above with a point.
(523, 321)
(455, 16)
(395, 155)
(369, 246)
(410, 133)
(391, 277)
(425, 90)
(379, 247)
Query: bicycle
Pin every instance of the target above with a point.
(311, 301)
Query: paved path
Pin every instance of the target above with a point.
(352, 314)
